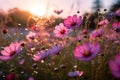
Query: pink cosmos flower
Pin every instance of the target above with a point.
(84, 31)
(31, 36)
(73, 22)
(79, 38)
(58, 11)
(117, 12)
(75, 74)
(61, 31)
(10, 51)
(96, 33)
(112, 37)
(116, 26)
(103, 22)
(114, 66)
(55, 49)
(40, 55)
(30, 78)
(86, 51)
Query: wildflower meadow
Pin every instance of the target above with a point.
(68, 49)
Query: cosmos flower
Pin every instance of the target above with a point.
(79, 38)
(31, 36)
(58, 11)
(40, 55)
(116, 26)
(31, 78)
(96, 33)
(117, 12)
(114, 66)
(61, 31)
(55, 49)
(73, 22)
(87, 51)
(75, 74)
(85, 31)
(112, 37)
(103, 22)
(10, 51)
(4, 31)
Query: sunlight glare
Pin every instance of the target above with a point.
(38, 10)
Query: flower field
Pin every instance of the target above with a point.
(65, 50)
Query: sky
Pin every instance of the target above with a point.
(69, 6)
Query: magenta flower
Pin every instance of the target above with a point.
(73, 22)
(55, 49)
(75, 74)
(10, 51)
(96, 33)
(31, 36)
(86, 51)
(61, 31)
(116, 26)
(58, 11)
(40, 55)
(115, 66)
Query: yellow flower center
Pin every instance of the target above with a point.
(87, 53)
(12, 53)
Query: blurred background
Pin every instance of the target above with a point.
(13, 12)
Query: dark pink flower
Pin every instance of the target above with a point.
(40, 55)
(4, 31)
(73, 22)
(10, 76)
(96, 33)
(58, 11)
(75, 74)
(61, 31)
(115, 66)
(116, 26)
(87, 51)
(84, 31)
(10, 51)
(55, 49)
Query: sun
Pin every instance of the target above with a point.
(38, 10)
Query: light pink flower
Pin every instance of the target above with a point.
(116, 26)
(61, 31)
(31, 36)
(115, 66)
(87, 51)
(10, 51)
(103, 22)
(75, 74)
(117, 12)
(54, 50)
(40, 55)
(96, 33)
(30, 78)
(58, 11)
(73, 22)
